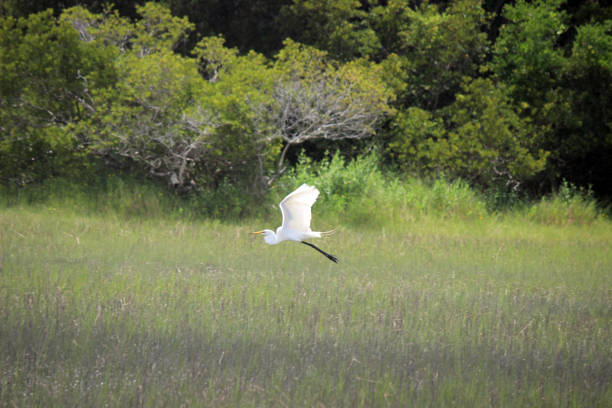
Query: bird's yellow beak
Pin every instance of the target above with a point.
(257, 232)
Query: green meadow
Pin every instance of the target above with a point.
(111, 310)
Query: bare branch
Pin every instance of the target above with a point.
(325, 107)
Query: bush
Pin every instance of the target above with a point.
(481, 138)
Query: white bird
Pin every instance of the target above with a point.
(296, 220)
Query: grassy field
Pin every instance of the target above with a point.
(109, 311)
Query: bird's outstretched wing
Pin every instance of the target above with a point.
(296, 208)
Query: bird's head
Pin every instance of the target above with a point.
(269, 236)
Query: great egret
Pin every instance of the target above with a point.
(296, 220)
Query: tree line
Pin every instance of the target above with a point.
(513, 97)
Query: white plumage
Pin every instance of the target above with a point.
(296, 209)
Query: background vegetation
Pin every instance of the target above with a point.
(218, 99)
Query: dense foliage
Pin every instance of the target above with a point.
(221, 97)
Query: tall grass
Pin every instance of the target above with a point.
(569, 205)
(126, 197)
(117, 196)
(126, 311)
(360, 194)
(355, 193)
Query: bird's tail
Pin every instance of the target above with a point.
(328, 233)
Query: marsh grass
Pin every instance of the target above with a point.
(570, 205)
(112, 311)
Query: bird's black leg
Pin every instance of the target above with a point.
(331, 257)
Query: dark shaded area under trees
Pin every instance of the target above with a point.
(512, 97)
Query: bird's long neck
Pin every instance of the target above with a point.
(279, 235)
(272, 238)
